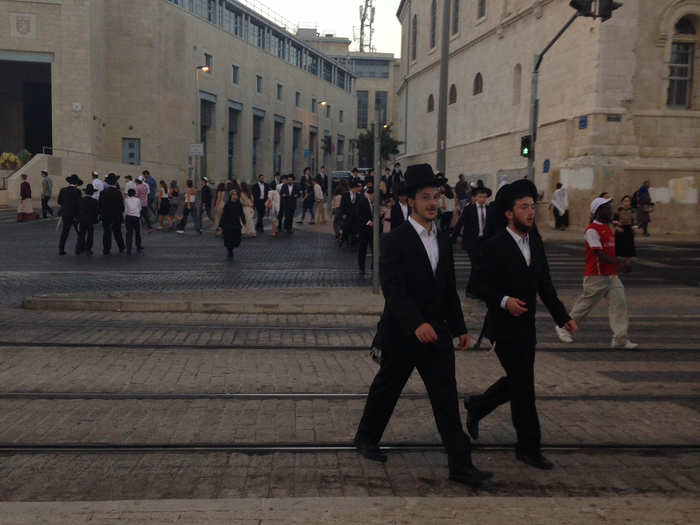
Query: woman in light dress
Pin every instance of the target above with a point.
(249, 210)
(273, 205)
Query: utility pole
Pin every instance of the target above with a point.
(442, 93)
(378, 128)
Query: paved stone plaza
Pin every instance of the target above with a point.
(248, 417)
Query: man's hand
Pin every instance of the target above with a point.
(572, 327)
(516, 307)
(463, 342)
(426, 334)
(625, 266)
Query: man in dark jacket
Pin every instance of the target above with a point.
(348, 209)
(512, 270)
(421, 316)
(69, 201)
(289, 193)
(112, 213)
(206, 197)
(260, 191)
(89, 211)
(401, 211)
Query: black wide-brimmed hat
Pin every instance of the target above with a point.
(480, 188)
(89, 189)
(112, 179)
(506, 195)
(75, 180)
(420, 176)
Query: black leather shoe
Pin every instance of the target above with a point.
(370, 451)
(469, 475)
(536, 460)
(472, 421)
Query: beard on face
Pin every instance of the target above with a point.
(521, 226)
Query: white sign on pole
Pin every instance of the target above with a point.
(196, 150)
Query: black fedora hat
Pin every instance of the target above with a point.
(89, 189)
(480, 188)
(111, 179)
(75, 180)
(420, 176)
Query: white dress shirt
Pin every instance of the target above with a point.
(132, 207)
(524, 247)
(98, 185)
(404, 210)
(481, 214)
(430, 242)
(262, 189)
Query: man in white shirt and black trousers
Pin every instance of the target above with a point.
(422, 315)
(511, 271)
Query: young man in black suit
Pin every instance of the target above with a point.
(288, 198)
(511, 271)
(69, 201)
(422, 315)
(474, 224)
(401, 210)
(260, 191)
(112, 213)
(348, 209)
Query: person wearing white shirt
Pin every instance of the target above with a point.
(132, 218)
(560, 207)
(422, 315)
(97, 185)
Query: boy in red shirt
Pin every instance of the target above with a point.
(601, 278)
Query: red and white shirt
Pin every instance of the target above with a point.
(599, 237)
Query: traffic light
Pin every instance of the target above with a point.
(584, 7)
(526, 146)
(606, 7)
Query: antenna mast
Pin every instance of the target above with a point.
(367, 12)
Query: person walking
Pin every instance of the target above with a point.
(206, 198)
(401, 210)
(288, 196)
(177, 204)
(645, 207)
(188, 207)
(163, 205)
(143, 192)
(219, 204)
(601, 279)
(307, 203)
(348, 208)
(152, 191)
(336, 211)
(461, 189)
(46, 192)
(560, 207)
(512, 269)
(231, 223)
(319, 200)
(112, 213)
(273, 205)
(88, 217)
(25, 211)
(422, 314)
(385, 213)
(246, 199)
(133, 211)
(69, 201)
(259, 192)
(624, 221)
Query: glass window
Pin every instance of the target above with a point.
(455, 17)
(433, 23)
(327, 71)
(371, 68)
(362, 109)
(279, 91)
(313, 105)
(431, 104)
(680, 75)
(453, 94)
(297, 99)
(259, 83)
(209, 61)
(381, 101)
(328, 111)
(481, 9)
(478, 84)
(340, 148)
(341, 116)
(414, 38)
(236, 72)
(340, 78)
(312, 66)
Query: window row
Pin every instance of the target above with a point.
(454, 24)
(381, 107)
(229, 17)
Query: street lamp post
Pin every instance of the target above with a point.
(329, 184)
(378, 127)
(198, 122)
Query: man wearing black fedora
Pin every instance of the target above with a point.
(511, 271)
(69, 201)
(474, 224)
(112, 213)
(422, 315)
(89, 211)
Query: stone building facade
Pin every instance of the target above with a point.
(120, 87)
(618, 101)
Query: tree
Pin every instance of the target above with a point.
(365, 146)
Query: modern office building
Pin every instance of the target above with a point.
(106, 84)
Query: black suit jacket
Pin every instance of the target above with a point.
(363, 214)
(501, 271)
(288, 199)
(89, 210)
(69, 200)
(412, 293)
(397, 215)
(260, 199)
(469, 222)
(347, 207)
(111, 204)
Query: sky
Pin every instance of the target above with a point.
(340, 16)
